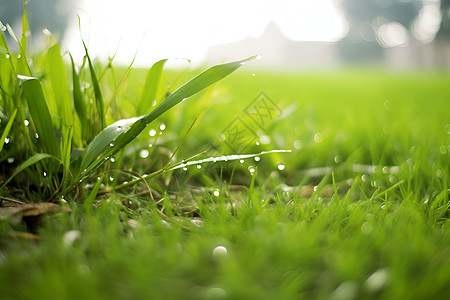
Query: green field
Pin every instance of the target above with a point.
(358, 209)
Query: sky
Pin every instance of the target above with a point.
(185, 29)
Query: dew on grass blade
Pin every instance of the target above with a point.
(26, 122)
(265, 140)
(111, 144)
(7, 56)
(241, 161)
(152, 132)
(36, 135)
(70, 237)
(144, 153)
(298, 144)
(10, 160)
(447, 128)
(220, 251)
(45, 174)
(318, 138)
(111, 178)
(337, 159)
(443, 149)
(366, 228)
(253, 74)
(7, 140)
(162, 127)
(216, 193)
(251, 169)
(216, 293)
(281, 166)
(257, 158)
(113, 159)
(199, 166)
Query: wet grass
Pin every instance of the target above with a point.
(358, 210)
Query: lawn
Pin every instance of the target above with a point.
(358, 209)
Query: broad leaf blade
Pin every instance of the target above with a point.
(151, 86)
(40, 114)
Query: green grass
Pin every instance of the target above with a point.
(359, 211)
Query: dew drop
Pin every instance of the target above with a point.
(162, 127)
(144, 153)
(318, 137)
(19, 55)
(257, 158)
(3, 28)
(184, 99)
(36, 135)
(385, 170)
(251, 170)
(10, 160)
(257, 143)
(216, 193)
(113, 159)
(281, 166)
(106, 158)
(26, 122)
(7, 140)
(265, 140)
(253, 74)
(154, 103)
(241, 161)
(365, 178)
(152, 132)
(316, 188)
(298, 144)
(337, 159)
(7, 56)
(443, 149)
(150, 145)
(45, 174)
(199, 166)
(111, 178)
(111, 144)
(184, 169)
(220, 251)
(258, 57)
(447, 128)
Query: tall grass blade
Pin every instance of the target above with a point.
(29, 162)
(78, 102)
(152, 86)
(123, 135)
(99, 103)
(40, 114)
(58, 79)
(7, 129)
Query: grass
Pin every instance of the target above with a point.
(358, 210)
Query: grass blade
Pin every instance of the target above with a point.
(151, 87)
(58, 79)
(40, 114)
(7, 129)
(78, 102)
(120, 137)
(29, 162)
(99, 103)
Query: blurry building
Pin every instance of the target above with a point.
(280, 52)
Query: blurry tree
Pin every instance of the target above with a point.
(366, 17)
(50, 14)
(444, 28)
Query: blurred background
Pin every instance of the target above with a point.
(302, 34)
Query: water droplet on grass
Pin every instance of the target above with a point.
(385, 170)
(251, 169)
(366, 228)
(10, 160)
(257, 158)
(216, 193)
(337, 159)
(7, 56)
(7, 140)
(150, 145)
(318, 138)
(447, 128)
(281, 166)
(111, 178)
(443, 149)
(36, 135)
(19, 55)
(111, 144)
(113, 159)
(184, 169)
(365, 178)
(162, 127)
(253, 74)
(184, 99)
(241, 161)
(26, 122)
(144, 153)
(216, 293)
(298, 144)
(199, 166)
(152, 132)
(377, 281)
(45, 174)
(220, 251)
(154, 103)
(265, 140)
